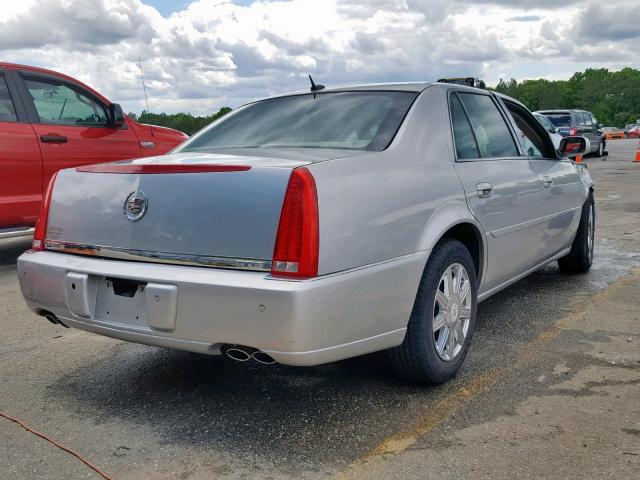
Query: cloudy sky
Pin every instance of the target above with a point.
(198, 56)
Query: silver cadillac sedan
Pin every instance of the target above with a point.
(316, 226)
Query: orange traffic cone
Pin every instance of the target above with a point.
(578, 159)
(637, 154)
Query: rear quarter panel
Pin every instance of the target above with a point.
(382, 205)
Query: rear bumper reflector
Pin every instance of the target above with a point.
(160, 168)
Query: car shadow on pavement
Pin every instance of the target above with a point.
(11, 249)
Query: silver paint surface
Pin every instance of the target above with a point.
(381, 213)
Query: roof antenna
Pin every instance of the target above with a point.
(315, 87)
(144, 88)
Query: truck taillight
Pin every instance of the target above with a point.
(297, 242)
(41, 224)
(572, 131)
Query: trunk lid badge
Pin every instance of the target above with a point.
(135, 206)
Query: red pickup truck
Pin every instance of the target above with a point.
(50, 121)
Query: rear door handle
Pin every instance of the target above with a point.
(484, 190)
(53, 138)
(547, 181)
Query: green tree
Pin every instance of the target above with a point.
(613, 97)
(185, 122)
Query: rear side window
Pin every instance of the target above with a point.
(583, 119)
(492, 135)
(59, 104)
(7, 110)
(466, 146)
(559, 119)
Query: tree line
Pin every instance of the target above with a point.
(185, 122)
(613, 97)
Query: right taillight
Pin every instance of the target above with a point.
(297, 242)
(572, 131)
(40, 231)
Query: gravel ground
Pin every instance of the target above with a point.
(550, 388)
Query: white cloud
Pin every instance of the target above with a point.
(215, 53)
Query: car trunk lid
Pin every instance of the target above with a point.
(209, 209)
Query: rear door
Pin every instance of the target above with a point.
(500, 185)
(20, 160)
(588, 130)
(71, 125)
(596, 133)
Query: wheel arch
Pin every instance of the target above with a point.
(456, 222)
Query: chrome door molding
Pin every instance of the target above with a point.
(531, 223)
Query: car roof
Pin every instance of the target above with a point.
(562, 111)
(44, 71)
(416, 87)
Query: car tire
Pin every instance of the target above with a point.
(601, 146)
(428, 354)
(580, 258)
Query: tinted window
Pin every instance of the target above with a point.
(582, 119)
(559, 119)
(544, 121)
(7, 111)
(58, 104)
(348, 120)
(492, 134)
(466, 146)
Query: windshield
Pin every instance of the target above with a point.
(366, 120)
(559, 119)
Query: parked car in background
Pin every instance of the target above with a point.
(50, 121)
(612, 133)
(312, 227)
(550, 128)
(634, 132)
(578, 122)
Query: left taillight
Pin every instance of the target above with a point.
(297, 242)
(41, 224)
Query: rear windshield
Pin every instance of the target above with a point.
(346, 120)
(559, 119)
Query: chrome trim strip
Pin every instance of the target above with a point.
(531, 223)
(23, 232)
(159, 257)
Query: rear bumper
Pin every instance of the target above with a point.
(296, 322)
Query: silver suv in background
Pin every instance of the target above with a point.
(578, 122)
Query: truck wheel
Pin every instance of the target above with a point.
(579, 259)
(443, 317)
(600, 152)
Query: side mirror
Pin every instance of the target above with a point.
(572, 146)
(600, 126)
(116, 116)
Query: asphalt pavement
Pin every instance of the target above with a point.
(550, 388)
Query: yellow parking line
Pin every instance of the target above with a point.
(441, 411)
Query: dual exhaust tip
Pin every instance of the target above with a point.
(244, 354)
(234, 352)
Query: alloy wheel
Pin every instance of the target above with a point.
(452, 312)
